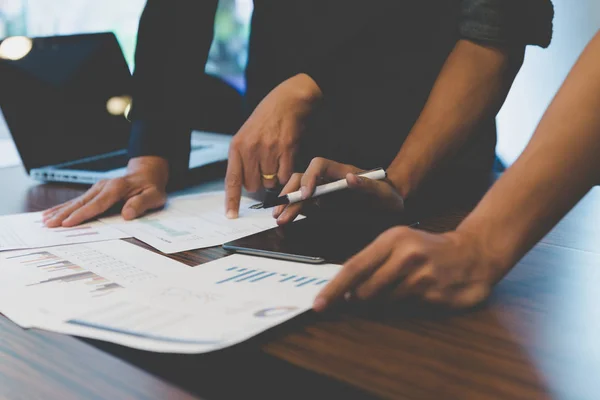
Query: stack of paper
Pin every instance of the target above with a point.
(194, 222)
(82, 281)
(186, 223)
(118, 292)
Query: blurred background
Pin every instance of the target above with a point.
(545, 69)
(45, 18)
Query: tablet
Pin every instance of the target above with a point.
(314, 239)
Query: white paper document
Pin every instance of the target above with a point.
(194, 222)
(110, 291)
(25, 231)
(82, 271)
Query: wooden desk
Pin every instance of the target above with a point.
(537, 337)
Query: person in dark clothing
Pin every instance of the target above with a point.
(459, 268)
(412, 85)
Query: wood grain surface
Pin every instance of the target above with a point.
(536, 337)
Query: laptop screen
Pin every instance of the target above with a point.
(64, 100)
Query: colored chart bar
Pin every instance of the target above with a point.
(243, 276)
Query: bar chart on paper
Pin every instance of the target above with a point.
(48, 268)
(194, 222)
(119, 292)
(241, 275)
(75, 232)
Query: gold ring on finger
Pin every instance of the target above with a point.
(269, 177)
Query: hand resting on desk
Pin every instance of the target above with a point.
(447, 269)
(142, 189)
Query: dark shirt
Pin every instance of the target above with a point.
(375, 62)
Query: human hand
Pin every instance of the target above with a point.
(446, 269)
(262, 152)
(380, 193)
(142, 189)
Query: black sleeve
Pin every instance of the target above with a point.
(507, 22)
(338, 39)
(174, 38)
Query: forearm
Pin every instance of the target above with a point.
(557, 168)
(305, 92)
(471, 87)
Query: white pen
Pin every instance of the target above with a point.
(295, 197)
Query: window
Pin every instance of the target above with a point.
(228, 53)
(227, 58)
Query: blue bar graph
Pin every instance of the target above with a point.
(237, 276)
(263, 277)
(249, 276)
(306, 282)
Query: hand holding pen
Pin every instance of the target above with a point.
(379, 189)
(326, 188)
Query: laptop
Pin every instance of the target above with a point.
(66, 99)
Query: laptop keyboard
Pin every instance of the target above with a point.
(101, 164)
(109, 163)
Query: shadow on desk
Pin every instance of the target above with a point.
(409, 350)
(241, 371)
(367, 349)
